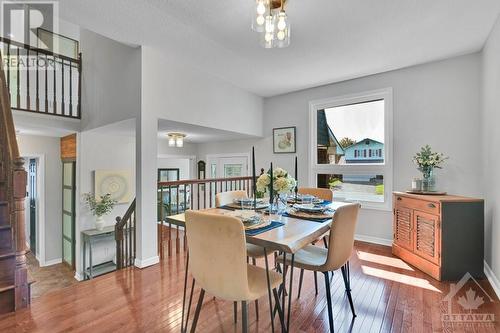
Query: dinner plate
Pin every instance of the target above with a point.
(250, 219)
(310, 208)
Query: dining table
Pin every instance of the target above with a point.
(289, 237)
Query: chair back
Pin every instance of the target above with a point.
(217, 254)
(321, 193)
(224, 198)
(342, 236)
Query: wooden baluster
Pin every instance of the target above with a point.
(204, 195)
(18, 82)
(37, 102)
(46, 84)
(55, 87)
(70, 88)
(160, 237)
(79, 107)
(210, 194)
(198, 196)
(118, 244)
(126, 243)
(169, 225)
(8, 70)
(63, 111)
(191, 204)
(185, 208)
(28, 79)
(177, 239)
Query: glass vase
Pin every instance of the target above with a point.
(428, 182)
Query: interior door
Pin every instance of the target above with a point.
(69, 191)
(32, 194)
(228, 167)
(426, 236)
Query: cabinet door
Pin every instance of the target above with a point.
(426, 236)
(403, 227)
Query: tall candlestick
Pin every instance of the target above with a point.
(296, 178)
(271, 186)
(254, 178)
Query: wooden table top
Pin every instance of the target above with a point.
(291, 237)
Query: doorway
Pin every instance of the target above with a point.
(228, 166)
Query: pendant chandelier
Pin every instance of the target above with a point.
(176, 140)
(271, 22)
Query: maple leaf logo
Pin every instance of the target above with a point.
(470, 301)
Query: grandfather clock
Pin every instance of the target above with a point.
(201, 170)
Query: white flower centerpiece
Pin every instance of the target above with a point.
(282, 183)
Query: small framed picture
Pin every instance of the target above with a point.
(284, 140)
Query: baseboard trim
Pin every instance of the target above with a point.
(374, 240)
(78, 276)
(51, 262)
(147, 262)
(495, 283)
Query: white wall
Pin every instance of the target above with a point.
(100, 149)
(490, 141)
(111, 80)
(435, 103)
(49, 147)
(177, 92)
(183, 164)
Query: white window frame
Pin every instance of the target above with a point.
(385, 169)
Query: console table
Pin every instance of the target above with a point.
(89, 238)
(442, 235)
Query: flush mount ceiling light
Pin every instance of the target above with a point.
(271, 22)
(176, 139)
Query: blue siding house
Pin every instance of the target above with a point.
(365, 151)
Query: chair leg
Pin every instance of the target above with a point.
(235, 311)
(316, 282)
(300, 282)
(329, 301)
(325, 242)
(254, 262)
(244, 317)
(198, 309)
(347, 284)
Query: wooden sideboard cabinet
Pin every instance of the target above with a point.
(441, 235)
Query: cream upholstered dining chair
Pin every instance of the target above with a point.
(325, 260)
(321, 193)
(224, 198)
(217, 261)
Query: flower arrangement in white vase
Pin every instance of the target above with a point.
(426, 161)
(100, 207)
(283, 183)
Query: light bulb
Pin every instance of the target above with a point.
(281, 35)
(260, 20)
(282, 21)
(269, 24)
(261, 9)
(268, 37)
(179, 142)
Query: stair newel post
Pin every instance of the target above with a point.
(21, 272)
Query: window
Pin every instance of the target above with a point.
(351, 147)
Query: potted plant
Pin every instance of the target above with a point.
(100, 207)
(426, 161)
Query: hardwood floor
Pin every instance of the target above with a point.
(389, 296)
(50, 278)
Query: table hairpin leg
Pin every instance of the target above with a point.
(189, 304)
(290, 293)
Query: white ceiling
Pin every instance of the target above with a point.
(197, 134)
(332, 40)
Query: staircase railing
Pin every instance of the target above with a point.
(175, 197)
(125, 228)
(42, 81)
(13, 273)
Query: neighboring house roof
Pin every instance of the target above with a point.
(363, 142)
(325, 134)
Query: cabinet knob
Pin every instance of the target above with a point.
(431, 205)
(399, 199)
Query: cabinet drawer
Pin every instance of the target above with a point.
(422, 205)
